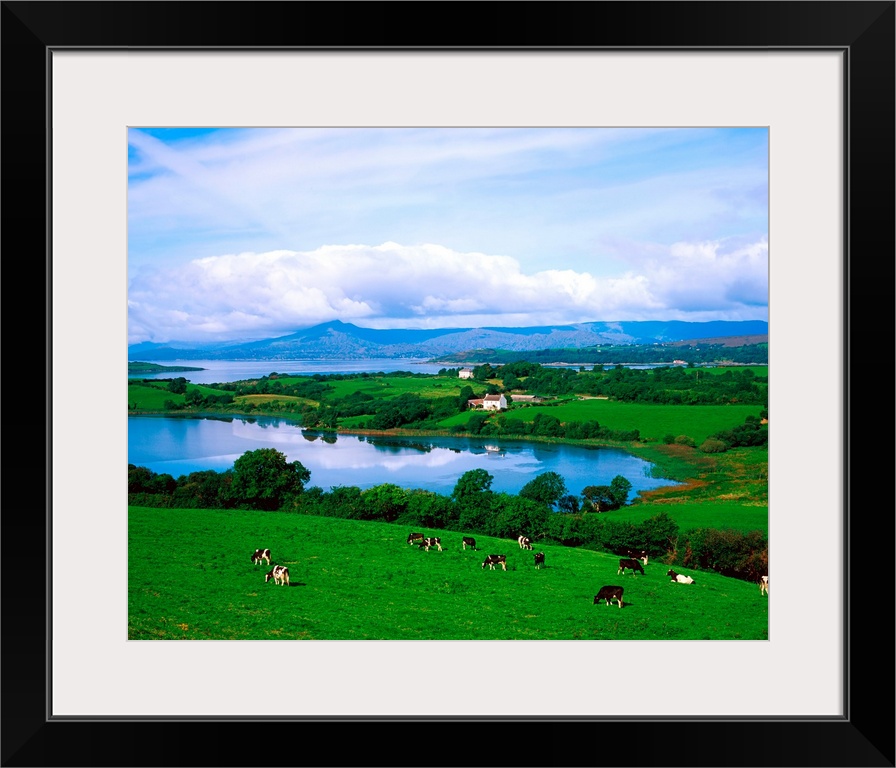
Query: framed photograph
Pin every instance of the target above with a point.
(817, 76)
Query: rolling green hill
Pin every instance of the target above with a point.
(360, 580)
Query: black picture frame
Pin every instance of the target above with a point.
(864, 736)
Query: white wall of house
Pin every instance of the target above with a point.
(494, 405)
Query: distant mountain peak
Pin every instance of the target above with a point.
(336, 339)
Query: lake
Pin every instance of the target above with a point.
(180, 445)
(220, 371)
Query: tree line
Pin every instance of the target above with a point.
(409, 410)
(638, 354)
(543, 509)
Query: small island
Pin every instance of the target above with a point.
(138, 367)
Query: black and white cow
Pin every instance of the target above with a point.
(525, 542)
(627, 562)
(539, 559)
(679, 578)
(261, 554)
(609, 593)
(430, 541)
(469, 542)
(763, 585)
(415, 538)
(279, 573)
(635, 554)
(492, 560)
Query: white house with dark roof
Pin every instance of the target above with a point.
(494, 402)
(465, 373)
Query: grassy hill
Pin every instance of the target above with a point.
(359, 580)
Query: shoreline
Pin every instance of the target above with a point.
(640, 449)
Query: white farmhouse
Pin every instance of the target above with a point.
(494, 402)
(465, 373)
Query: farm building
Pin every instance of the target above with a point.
(465, 373)
(494, 402)
(489, 402)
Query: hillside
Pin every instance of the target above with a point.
(360, 580)
(338, 340)
(725, 341)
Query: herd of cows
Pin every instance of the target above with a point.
(609, 593)
(279, 574)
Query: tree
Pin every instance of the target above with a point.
(472, 484)
(515, 515)
(568, 504)
(619, 488)
(546, 488)
(511, 381)
(178, 386)
(193, 397)
(386, 501)
(598, 497)
(263, 479)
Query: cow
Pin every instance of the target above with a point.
(539, 559)
(609, 593)
(680, 578)
(635, 554)
(492, 560)
(430, 541)
(627, 562)
(525, 542)
(469, 542)
(763, 585)
(279, 573)
(261, 554)
(415, 538)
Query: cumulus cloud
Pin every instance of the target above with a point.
(257, 295)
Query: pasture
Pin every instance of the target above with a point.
(653, 421)
(360, 580)
(151, 396)
(687, 515)
(392, 386)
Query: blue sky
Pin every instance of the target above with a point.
(257, 232)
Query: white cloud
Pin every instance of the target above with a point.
(256, 295)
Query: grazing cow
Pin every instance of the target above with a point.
(539, 559)
(525, 542)
(430, 541)
(415, 538)
(626, 562)
(279, 573)
(261, 554)
(635, 554)
(492, 560)
(469, 542)
(763, 585)
(609, 593)
(679, 577)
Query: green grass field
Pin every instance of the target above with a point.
(353, 580)
(152, 397)
(653, 421)
(738, 516)
(392, 386)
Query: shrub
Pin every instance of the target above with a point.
(685, 440)
(711, 445)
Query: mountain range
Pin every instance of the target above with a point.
(345, 341)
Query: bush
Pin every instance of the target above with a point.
(711, 445)
(685, 440)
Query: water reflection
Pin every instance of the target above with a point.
(180, 446)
